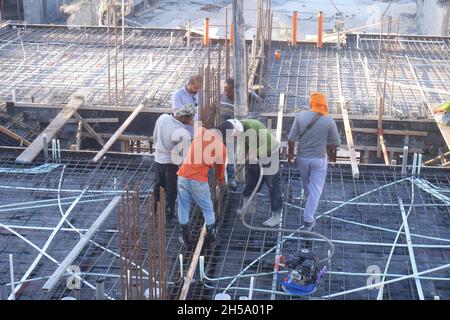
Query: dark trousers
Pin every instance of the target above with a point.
(252, 172)
(166, 177)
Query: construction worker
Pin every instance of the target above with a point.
(227, 100)
(314, 130)
(169, 131)
(206, 151)
(442, 113)
(188, 94)
(227, 112)
(263, 148)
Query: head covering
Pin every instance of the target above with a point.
(237, 126)
(185, 111)
(318, 103)
(223, 127)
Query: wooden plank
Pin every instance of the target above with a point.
(95, 120)
(384, 150)
(380, 123)
(350, 144)
(30, 153)
(442, 157)
(121, 108)
(122, 128)
(392, 132)
(76, 250)
(78, 137)
(121, 137)
(14, 136)
(193, 265)
(347, 127)
(89, 129)
(350, 116)
(388, 149)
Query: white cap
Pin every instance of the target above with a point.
(237, 125)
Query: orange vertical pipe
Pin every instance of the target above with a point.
(231, 33)
(294, 28)
(320, 30)
(206, 32)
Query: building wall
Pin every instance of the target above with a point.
(433, 17)
(43, 11)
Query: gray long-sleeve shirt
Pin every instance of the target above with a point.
(167, 134)
(313, 144)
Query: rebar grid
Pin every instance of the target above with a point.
(29, 205)
(46, 65)
(362, 228)
(305, 69)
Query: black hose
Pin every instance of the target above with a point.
(244, 209)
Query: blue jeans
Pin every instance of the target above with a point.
(199, 191)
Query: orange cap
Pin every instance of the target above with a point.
(318, 103)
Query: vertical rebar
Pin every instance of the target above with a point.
(100, 289)
(123, 52)
(3, 292)
(404, 160)
(129, 249)
(108, 42)
(115, 57)
(150, 243)
(378, 63)
(394, 68)
(119, 226)
(45, 146)
(141, 274)
(162, 247)
(135, 245)
(11, 276)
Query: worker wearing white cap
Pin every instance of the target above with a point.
(266, 147)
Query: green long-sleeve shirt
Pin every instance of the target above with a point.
(266, 143)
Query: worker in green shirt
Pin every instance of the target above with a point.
(442, 113)
(260, 144)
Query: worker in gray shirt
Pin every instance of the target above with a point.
(169, 132)
(188, 94)
(314, 131)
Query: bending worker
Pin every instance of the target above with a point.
(168, 133)
(313, 130)
(260, 144)
(206, 151)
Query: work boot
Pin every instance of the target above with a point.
(251, 207)
(212, 235)
(185, 236)
(170, 217)
(274, 220)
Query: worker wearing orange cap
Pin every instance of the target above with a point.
(314, 131)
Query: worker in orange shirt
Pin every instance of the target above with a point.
(206, 151)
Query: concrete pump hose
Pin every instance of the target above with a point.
(244, 210)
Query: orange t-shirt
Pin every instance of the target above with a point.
(206, 151)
